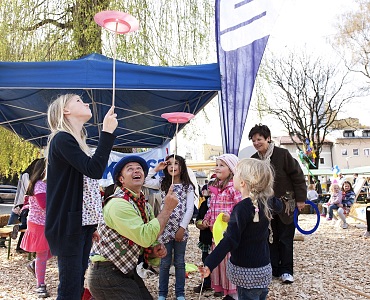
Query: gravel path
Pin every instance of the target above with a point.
(333, 263)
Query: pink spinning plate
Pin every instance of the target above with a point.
(116, 21)
(178, 117)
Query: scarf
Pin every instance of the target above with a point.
(140, 202)
(267, 155)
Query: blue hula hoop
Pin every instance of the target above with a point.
(317, 222)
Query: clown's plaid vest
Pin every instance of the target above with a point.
(122, 252)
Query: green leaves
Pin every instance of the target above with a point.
(15, 155)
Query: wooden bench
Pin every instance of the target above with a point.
(6, 232)
(356, 212)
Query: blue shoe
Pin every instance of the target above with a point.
(180, 298)
(161, 298)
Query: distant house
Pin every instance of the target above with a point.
(351, 148)
(347, 149)
(325, 156)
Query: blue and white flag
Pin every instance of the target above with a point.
(242, 31)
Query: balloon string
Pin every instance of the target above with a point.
(114, 64)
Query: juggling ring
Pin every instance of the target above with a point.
(317, 222)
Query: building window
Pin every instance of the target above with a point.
(322, 161)
(348, 133)
(366, 133)
(355, 152)
(344, 152)
(367, 151)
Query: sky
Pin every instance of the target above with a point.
(307, 25)
(301, 24)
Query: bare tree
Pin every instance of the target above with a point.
(353, 37)
(308, 97)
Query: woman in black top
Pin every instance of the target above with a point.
(69, 164)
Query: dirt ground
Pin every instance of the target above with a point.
(333, 263)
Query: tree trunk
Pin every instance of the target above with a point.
(86, 33)
(316, 164)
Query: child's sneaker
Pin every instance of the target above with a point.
(366, 234)
(323, 215)
(344, 225)
(42, 292)
(328, 219)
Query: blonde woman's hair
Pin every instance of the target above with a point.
(259, 178)
(57, 123)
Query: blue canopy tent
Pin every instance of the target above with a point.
(143, 94)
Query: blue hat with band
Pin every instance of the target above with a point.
(127, 159)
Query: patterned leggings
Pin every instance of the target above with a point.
(40, 265)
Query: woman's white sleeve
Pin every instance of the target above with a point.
(151, 182)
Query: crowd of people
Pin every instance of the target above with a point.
(109, 244)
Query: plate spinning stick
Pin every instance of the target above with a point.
(178, 118)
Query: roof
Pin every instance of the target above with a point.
(286, 140)
(143, 94)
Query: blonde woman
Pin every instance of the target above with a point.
(247, 232)
(73, 207)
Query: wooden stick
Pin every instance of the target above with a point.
(353, 290)
(358, 219)
(114, 65)
(174, 154)
(201, 288)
